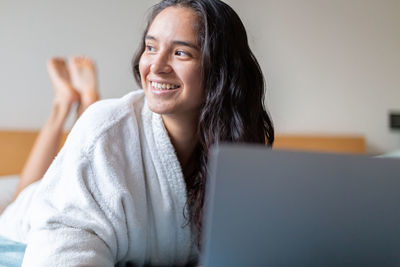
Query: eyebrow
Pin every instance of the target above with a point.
(176, 42)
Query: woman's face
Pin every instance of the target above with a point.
(170, 66)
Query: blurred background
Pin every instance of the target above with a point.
(331, 67)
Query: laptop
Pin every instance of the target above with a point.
(285, 208)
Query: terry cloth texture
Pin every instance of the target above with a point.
(115, 194)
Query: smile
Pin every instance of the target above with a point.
(164, 86)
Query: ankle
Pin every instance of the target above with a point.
(59, 112)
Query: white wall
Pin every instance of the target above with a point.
(33, 31)
(331, 66)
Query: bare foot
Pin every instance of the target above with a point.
(83, 74)
(65, 94)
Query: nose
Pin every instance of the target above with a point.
(161, 64)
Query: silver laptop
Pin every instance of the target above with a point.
(282, 208)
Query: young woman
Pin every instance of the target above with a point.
(128, 185)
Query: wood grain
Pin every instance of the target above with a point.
(14, 149)
(330, 144)
(16, 145)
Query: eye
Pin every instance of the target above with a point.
(150, 48)
(182, 53)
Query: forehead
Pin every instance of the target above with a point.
(175, 23)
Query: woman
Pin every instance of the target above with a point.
(128, 186)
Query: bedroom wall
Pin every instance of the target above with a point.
(33, 31)
(332, 67)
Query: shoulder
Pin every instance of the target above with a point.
(104, 115)
(108, 111)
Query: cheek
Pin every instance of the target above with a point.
(191, 75)
(144, 67)
(195, 79)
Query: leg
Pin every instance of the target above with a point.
(48, 141)
(83, 75)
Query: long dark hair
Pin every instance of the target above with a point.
(233, 109)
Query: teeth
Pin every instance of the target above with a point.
(164, 86)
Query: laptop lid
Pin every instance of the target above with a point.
(283, 208)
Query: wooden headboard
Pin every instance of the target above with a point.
(14, 149)
(322, 143)
(15, 146)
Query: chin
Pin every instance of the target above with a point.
(159, 108)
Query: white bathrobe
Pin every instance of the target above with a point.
(114, 194)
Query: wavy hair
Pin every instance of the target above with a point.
(233, 109)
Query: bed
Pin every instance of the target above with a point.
(16, 144)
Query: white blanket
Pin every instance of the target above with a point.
(114, 194)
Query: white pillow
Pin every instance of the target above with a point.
(8, 185)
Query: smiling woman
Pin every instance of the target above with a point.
(170, 66)
(230, 89)
(128, 185)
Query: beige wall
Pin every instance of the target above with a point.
(331, 66)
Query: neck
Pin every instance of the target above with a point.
(184, 138)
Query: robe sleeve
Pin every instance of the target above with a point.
(76, 212)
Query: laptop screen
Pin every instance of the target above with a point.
(283, 208)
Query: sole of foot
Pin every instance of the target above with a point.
(84, 79)
(60, 78)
